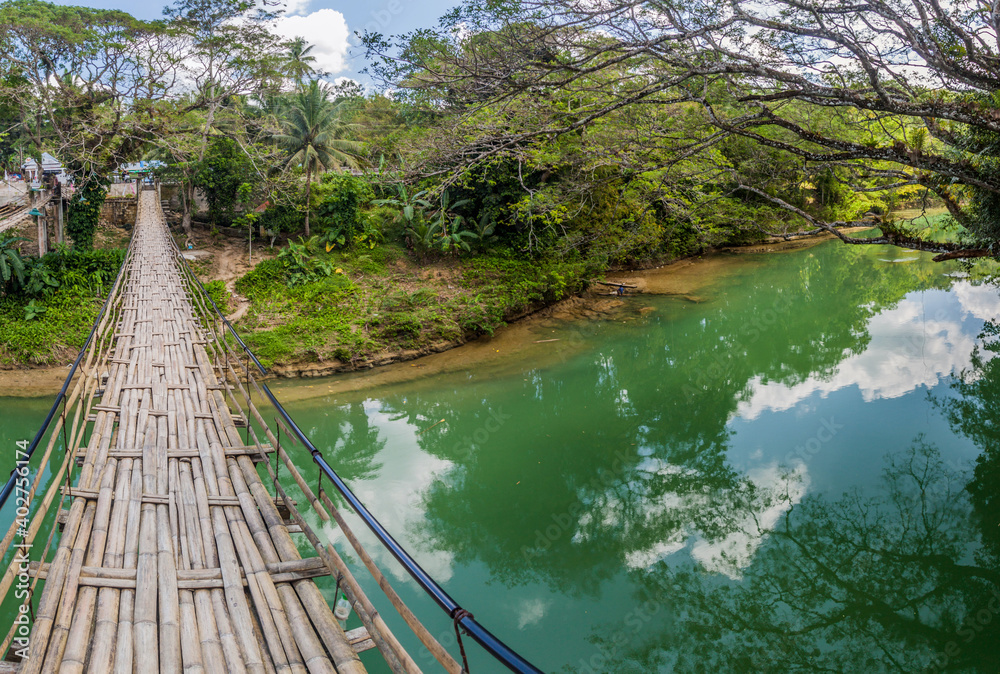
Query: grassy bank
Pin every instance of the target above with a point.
(341, 309)
(377, 306)
(46, 319)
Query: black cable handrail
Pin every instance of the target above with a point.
(480, 634)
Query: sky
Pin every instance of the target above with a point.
(328, 24)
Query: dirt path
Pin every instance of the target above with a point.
(229, 262)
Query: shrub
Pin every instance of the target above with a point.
(267, 275)
(341, 197)
(281, 218)
(85, 212)
(220, 175)
(216, 290)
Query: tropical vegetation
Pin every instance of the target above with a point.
(537, 131)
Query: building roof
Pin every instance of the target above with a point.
(49, 164)
(142, 166)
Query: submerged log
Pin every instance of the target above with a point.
(615, 285)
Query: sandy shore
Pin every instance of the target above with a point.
(34, 382)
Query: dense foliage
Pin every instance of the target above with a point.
(46, 315)
(540, 133)
(729, 117)
(219, 175)
(85, 212)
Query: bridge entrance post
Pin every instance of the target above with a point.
(43, 234)
(60, 233)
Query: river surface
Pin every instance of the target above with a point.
(790, 462)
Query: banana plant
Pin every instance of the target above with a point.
(411, 207)
(445, 213)
(455, 241)
(11, 262)
(485, 227)
(424, 236)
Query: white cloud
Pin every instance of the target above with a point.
(326, 29)
(405, 475)
(907, 350)
(982, 301)
(296, 7)
(729, 554)
(733, 553)
(531, 612)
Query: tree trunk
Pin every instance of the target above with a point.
(186, 208)
(308, 186)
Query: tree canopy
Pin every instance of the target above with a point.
(876, 96)
(621, 131)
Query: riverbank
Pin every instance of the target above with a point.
(525, 337)
(292, 330)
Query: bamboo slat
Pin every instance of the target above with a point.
(172, 554)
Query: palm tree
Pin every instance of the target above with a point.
(312, 133)
(298, 61)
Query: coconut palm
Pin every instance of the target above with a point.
(312, 134)
(298, 61)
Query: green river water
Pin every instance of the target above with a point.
(794, 466)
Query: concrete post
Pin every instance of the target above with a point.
(60, 233)
(43, 236)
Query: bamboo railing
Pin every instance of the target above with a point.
(171, 551)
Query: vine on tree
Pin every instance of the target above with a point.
(85, 212)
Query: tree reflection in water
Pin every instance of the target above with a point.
(573, 479)
(907, 580)
(359, 443)
(884, 583)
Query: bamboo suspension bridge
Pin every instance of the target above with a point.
(146, 539)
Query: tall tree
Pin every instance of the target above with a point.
(298, 62)
(885, 94)
(312, 134)
(229, 52)
(87, 82)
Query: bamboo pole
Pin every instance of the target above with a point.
(173, 554)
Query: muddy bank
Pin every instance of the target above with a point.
(525, 334)
(540, 338)
(33, 382)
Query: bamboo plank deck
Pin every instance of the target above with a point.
(173, 554)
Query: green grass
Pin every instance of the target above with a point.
(504, 285)
(377, 306)
(50, 338)
(217, 291)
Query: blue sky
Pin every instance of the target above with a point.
(329, 24)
